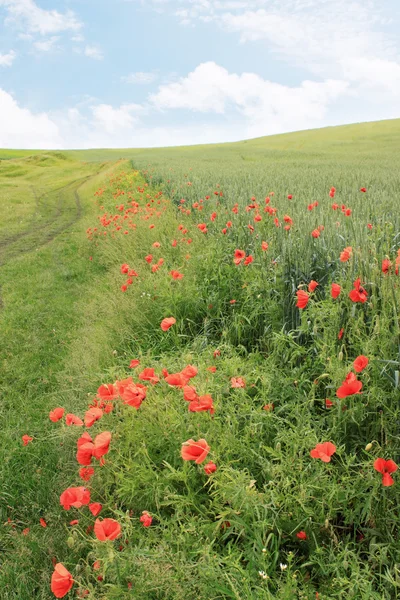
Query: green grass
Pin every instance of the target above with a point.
(66, 328)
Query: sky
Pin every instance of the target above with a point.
(144, 73)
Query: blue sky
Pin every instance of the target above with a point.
(129, 73)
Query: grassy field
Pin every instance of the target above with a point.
(97, 248)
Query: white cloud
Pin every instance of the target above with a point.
(6, 60)
(335, 39)
(46, 45)
(78, 38)
(227, 107)
(94, 52)
(267, 107)
(20, 128)
(113, 120)
(25, 37)
(26, 14)
(143, 78)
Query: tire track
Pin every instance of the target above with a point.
(52, 233)
(7, 241)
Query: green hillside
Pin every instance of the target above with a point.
(251, 449)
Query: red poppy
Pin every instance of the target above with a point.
(340, 334)
(358, 294)
(239, 256)
(335, 290)
(316, 233)
(86, 473)
(149, 375)
(107, 529)
(302, 299)
(146, 519)
(56, 414)
(210, 467)
(61, 581)
(268, 407)
(301, 535)
(360, 363)
(131, 393)
(85, 449)
(202, 403)
(176, 275)
(167, 323)
(107, 391)
(290, 196)
(74, 496)
(212, 369)
(190, 371)
(26, 439)
(349, 386)
(92, 415)
(189, 393)
(124, 268)
(264, 246)
(177, 379)
(346, 254)
(134, 363)
(101, 444)
(196, 451)
(42, 522)
(363, 189)
(148, 258)
(386, 467)
(238, 382)
(323, 451)
(71, 419)
(386, 265)
(312, 285)
(95, 508)
(328, 403)
(248, 260)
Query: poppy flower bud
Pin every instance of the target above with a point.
(71, 542)
(368, 447)
(340, 356)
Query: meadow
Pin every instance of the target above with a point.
(199, 381)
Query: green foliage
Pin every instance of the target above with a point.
(68, 328)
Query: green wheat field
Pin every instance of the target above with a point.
(97, 248)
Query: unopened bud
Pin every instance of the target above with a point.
(368, 447)
(340, 356)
